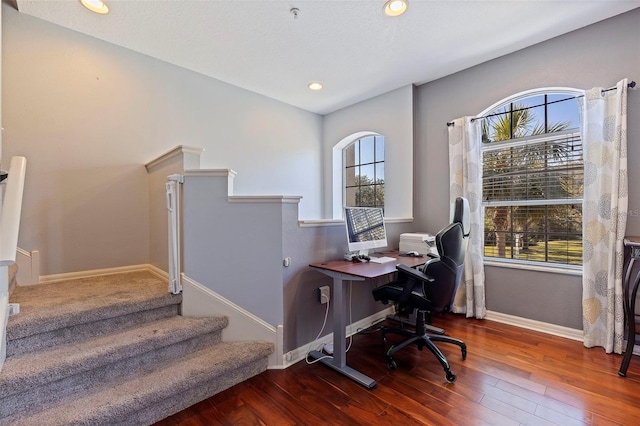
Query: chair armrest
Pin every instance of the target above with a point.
(419, 275)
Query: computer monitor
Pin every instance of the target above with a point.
(365, 229)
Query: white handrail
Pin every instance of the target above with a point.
(11, 209)
(173, 208)
(9, 227)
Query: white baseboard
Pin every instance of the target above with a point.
(569, 333)
(106, 271)
(28, 267)
(198, 300)
(300, 353)
(543, 327)
(155, 270)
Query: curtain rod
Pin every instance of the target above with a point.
(631, 84)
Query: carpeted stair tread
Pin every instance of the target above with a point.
(86, 331)
(36, 369)
(113, 350)
(122, 403)
(57, 305)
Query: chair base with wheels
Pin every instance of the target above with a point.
(421, 340)
(417, 291)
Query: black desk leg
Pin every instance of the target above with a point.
(339, 359)
(629, 303)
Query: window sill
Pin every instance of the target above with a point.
(531, 266)
(309, 223)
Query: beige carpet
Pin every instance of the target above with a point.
(113, 350)
(49, 306)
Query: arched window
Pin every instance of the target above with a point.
(533, 178)
(358, 172)
(363, 179)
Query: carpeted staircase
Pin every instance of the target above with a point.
(113, 350)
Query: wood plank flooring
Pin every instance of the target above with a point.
(512, 376)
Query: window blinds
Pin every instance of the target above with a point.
(537, 170)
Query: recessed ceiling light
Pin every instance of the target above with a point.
(97, 6)
(315, 85)
(395, 7)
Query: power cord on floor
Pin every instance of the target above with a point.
(324, 323)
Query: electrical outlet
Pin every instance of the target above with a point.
(323, 294)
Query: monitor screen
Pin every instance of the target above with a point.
(365, 228)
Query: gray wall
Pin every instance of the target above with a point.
(391, 115)
(88, 115)
(234, 248)
(598, 55)
(303, 313)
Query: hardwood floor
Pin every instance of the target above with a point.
(511, 376)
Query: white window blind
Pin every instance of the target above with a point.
(532, 194)
(537, 170)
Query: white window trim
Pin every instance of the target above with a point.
(519, 264)
(311, 223)
(532, 92)
(533, 266)
(520, 142)
(338, 170)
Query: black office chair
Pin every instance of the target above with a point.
(461, 214)
(429, 290)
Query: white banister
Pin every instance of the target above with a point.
(11, 209)
(173, 208)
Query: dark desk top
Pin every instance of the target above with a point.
(370, 269)
(632, 241)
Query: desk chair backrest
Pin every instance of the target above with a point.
(446, 269)
(461, 214)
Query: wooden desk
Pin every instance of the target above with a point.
(343, 271)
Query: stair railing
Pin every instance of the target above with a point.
(11, 207)
(175, 253)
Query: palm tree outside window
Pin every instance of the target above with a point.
(533, 180)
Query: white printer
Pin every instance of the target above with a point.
(422, 243)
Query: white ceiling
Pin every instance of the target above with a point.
(355, 50)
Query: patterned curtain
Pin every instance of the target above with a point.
(604, 215)
(465, 176)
